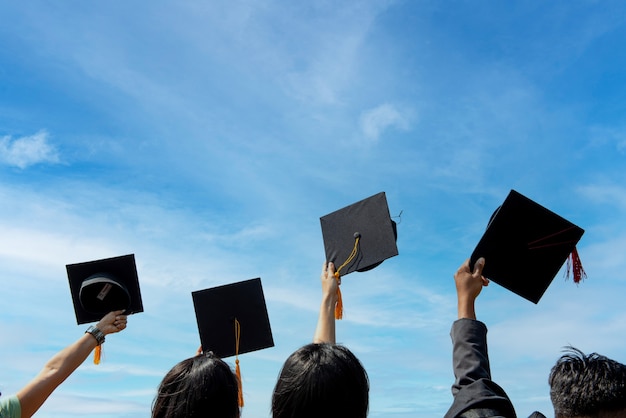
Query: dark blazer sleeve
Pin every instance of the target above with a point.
(475, 394)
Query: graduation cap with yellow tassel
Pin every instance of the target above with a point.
(525, 245)
(102, 286)
(358, 238)
(233, 320)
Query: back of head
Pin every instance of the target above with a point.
(202, 386)
(587, 386)
(321, 380)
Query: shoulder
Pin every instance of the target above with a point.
(10, 407)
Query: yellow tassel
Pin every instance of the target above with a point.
(97, 354)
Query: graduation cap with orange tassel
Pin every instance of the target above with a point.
(233, 320)
(358, 238)
(525, 245)
(101, 286)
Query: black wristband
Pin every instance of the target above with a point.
(96, 333)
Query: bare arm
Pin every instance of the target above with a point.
(63, 364)
(325, 331)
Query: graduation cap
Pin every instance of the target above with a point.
(232, 320)
(525, 245)
(101, 286)
(359, 237)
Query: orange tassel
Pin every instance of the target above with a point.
(339, 305)
(237, 369)
(575, 266)
(97, 354)
(238, 373)
(355, 250)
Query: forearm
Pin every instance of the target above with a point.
(55, 371)
(67, 360)
(325, 330)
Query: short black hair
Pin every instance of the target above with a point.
(321, 380)
(586, 385)
(198, 387)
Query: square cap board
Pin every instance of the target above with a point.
(367, 219)
(217, 309)
(525, 245)
(101, 286)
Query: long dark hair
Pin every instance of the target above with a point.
(203, 386)
(321, 380)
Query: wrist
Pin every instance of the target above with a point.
(96, 333)
(466, 309)
(329, 301)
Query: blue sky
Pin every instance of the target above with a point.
(207, 138)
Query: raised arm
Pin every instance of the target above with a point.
(473, 389)
(325, 330)
(63, 364)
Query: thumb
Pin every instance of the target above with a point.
(478, 266)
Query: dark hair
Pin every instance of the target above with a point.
(201, 386)
(321, 380)
(586, 385)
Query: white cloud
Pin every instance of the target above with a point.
(375, 121)
(25, 151)
(604, 194)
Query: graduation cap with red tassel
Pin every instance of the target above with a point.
(525, 245)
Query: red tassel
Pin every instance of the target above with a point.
(97, 354)
(575, 266)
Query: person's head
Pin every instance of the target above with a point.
(587, 386)
(201, 386)
(321, 380)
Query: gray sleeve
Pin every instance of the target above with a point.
(475, 394)
(470, 360)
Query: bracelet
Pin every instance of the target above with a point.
(96, 333)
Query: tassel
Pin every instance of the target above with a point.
(240, 391)
(237, 369)
(339, 305)
(575, 266)
(355, 250)
(97, 354)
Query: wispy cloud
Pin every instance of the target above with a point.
(605, 194)
(374, 122)
(26, 151)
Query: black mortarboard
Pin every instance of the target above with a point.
(101, 286)
(230, 311)
(232, 320)
(360, 236)
(525, 246)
